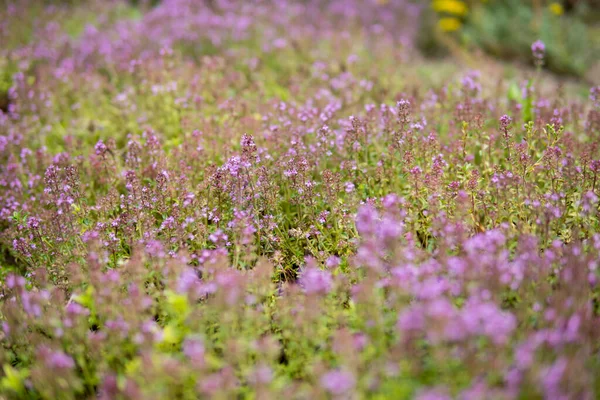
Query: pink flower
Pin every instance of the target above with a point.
(538, 48)
(338, 382)
(315, 281)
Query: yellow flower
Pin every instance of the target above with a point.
(556, 8)
(449, 24)
(453, 7)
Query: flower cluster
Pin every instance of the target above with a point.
(228, 199)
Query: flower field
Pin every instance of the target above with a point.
(284, 199)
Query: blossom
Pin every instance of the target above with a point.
(433, 394)
(315, 281)
(193, 349)
(338, 382)
(332, 262)
(412, 319)
(100, 148)
(349, 187)
(60, 360)
(366, 220)
(505, 121)
(556, 8)
(538, 49)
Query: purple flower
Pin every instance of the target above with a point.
(187, 281)
(412, 319)
(218, 237)
(247, 141)
(389, 229)
(100, 148)
(338, 382)
(470, 82)
(595, 95)
(505, 121)
(194, 349)
(433, 394)
(60, 360)
(551, 378)
(403, 111)
(6, 328)
(572, 329)
(349, 187)
(538, 48)
(33, 223)
(76, 309)
(14, 281)
(332, 262)
(487, 319)
(416, 171)
(390, 201)
(366, 220)
(315, 281)
(118, 325)
(155, 248)
(263, 374)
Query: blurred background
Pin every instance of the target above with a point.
(97, 34)
(506, 29)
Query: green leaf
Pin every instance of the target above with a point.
(86, 299)
(14, 380)
(514, 94)
(171, 335)
(179, 306)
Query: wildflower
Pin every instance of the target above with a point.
(349, 187)
(403, 111)
(15, 281)
(505, 121)
(538, 49)
(449, 24)
(155, 248)
(218, 237)
(323, 216)
(454, 186)
(551, 378)
(60, 360)
(416, 171)
(338, 382)
(556, 8)
(390, 200)
(187, 281)
(248, 147)
(470, 83)
(389, 228)
(433, 394)
(595, 95)
(100, 148)
(76, 309)
(33, 223)
(412, 319)
(332, 262)
(454, 7)
(315, 281)
(193, 349)
(366, 219)
(263, 374)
